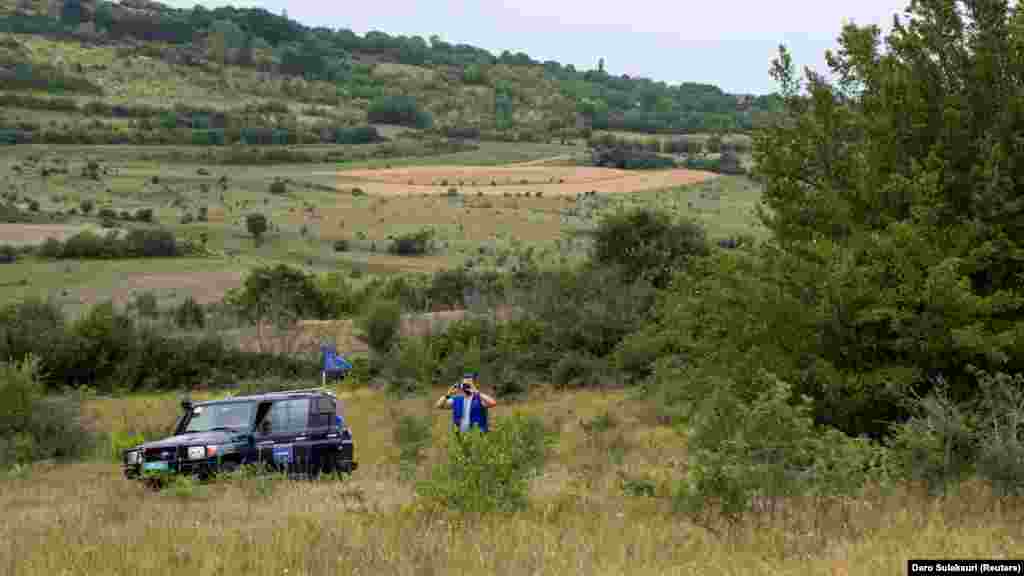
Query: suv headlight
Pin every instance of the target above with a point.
(132, 457)
(196, 452)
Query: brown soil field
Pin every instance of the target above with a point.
(204, 286)
(26, 234)
(549, 180)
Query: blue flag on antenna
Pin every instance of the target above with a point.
(334, 362)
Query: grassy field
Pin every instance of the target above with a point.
(306, 221)
(583, 517)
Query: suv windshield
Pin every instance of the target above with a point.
(234, 415)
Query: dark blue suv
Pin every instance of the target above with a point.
(297, 431)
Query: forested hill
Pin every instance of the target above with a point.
(218, 56)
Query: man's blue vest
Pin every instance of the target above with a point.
(477, 412)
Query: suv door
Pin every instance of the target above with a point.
(324, 434)
(280, 434)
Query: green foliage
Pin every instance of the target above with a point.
(354, 135)
(411, 369)
(767, 447)
(577, 370)
(279, 294)
(256, 224)
(145, 304)
(413, 243)
(412, 435)
(119, 441)
(278, 187)
(34, 426)
(945, 441)
(647, 243)
(402, 110)
(109, 351)
(924, 211)
(189, 314)
(138, 243)
(626, 159)
(588, 311)
(489, 472)
(379, 324)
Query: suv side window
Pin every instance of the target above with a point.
(323, 413)
(286, 416)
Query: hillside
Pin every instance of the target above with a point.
(141, 70)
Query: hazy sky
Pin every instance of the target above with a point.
(729, 44)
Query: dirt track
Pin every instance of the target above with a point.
(549, 180)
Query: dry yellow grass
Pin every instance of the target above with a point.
(85, 519)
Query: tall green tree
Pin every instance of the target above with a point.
(894, 196)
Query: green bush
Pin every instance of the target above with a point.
(577, 370)
(767, 446)
(138, 243)
(278, 187)
(489, 472)
(380, 323)
(402, 110)
(412, 435)
(647, 243)
(189, 314)
(411, 369)
(280, 294)
(413, 244)
(145, 304)
(34, 426)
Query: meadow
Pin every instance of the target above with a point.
(602, 505)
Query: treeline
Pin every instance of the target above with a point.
(111, 351)
(137, 243)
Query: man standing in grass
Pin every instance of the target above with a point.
(469, 408)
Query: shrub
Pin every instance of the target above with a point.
(647, 243)
(144, 215)
(489, 472)
(256, 224)
(767, 447)
(411, 370)
(380, 324)
(412, 434)
(402, 110)
(413, 244)
(34, 426)
(8, 254)
(576, 370)
(145, 304)
(1000, 448)
(341, 245)
(356, 135)
(279, 294)
(189, 314)
(278, 187)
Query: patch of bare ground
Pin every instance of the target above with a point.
(29, 234)
(204, 286)
(516, 179)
